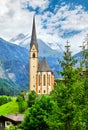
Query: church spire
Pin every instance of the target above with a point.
(33, 37)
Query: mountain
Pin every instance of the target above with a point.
(79, 57)
(14, 65)
(24, 40)
(15, 62)
(3, 74)
(45, 50)
(6, 85)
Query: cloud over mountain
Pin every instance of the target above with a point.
(55, 21)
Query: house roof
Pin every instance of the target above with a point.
(43, 66)
(14, 118)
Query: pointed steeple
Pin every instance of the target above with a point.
(33, 37)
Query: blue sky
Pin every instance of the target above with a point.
(56, 20)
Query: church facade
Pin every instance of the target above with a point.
(41, 76)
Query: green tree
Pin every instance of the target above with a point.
(84, 65)
(69, 94)
(4, 99)
(31, 98)
(42, 115)
(21, 103)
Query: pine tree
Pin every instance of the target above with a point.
(69, 94)
(68, 65)
(84, 64)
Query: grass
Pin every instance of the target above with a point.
(9, 108)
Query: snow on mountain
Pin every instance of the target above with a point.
(56, 46)
(45, 50)
(24, 40)
(21, 39)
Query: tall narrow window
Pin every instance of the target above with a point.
(39, 80)
(44, 91)
(33, 55)
(49, 79)
(44, 79)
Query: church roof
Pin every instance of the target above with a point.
(43, 66)
(33, 37)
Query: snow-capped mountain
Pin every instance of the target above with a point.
(45, 50)
(24, 40)
(14, 61)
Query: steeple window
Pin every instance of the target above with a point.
(33, 55)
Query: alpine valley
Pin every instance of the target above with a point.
(14, 62)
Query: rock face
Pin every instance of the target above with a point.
(15, 63)
(2, 72)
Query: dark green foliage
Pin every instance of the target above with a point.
(84, 65)
(4, 99)
(31, 98)
(21, 103)
(41, 116)
(70, 104)
(69, 95)
(12, 128)
(20, 96)
(68, 64)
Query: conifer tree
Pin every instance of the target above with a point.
(68, 65)
(84, 64)
(69, 94)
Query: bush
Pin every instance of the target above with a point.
(4, 99)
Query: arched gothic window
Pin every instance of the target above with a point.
(33, 55)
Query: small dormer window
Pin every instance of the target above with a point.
(33, 55)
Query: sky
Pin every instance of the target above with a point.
(56, 20)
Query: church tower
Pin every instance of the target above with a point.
(33, 58)
(41, 76)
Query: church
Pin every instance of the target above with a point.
(41, 76)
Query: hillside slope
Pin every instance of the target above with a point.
(9, 108)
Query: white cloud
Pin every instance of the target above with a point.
(15, 19)
(75, 20)
(3, 7)
(42, 4)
